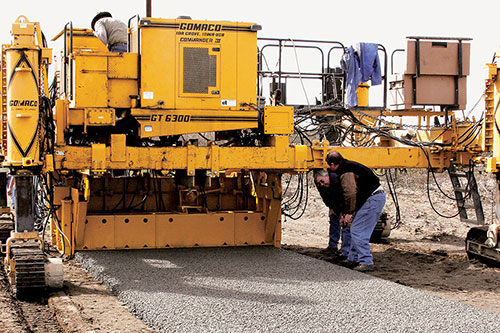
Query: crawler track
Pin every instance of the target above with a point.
(6, 226)
(29, 263)
(475, 248)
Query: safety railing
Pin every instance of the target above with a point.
(328, 74)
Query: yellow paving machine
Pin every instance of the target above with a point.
(183, 140)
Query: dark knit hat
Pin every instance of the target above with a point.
(98, 17)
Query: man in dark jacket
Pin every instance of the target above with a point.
(329, 188)
(364, 199)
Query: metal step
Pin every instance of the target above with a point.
(467, 197)
(471, 221)
(467, 206)
(458, 174)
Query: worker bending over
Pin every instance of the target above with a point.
(330, 190)
(112, 32)
(364, 199)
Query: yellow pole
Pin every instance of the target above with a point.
(363, 94)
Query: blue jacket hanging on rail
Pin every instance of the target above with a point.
(360, 64)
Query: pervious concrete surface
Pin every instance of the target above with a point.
(265, 289)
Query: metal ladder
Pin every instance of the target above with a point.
(489, 118)
(467, 195)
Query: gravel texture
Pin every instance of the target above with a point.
(265, 289)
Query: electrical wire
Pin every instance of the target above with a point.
(46, 210)
(300, 74)
(468, 189)
(392, 191)
(295, 206)
(366, 135)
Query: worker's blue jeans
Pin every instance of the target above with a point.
(335, 235)
(122, 48)
(362, 226)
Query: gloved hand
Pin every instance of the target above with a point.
(346, 220)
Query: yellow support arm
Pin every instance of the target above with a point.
(216, 159)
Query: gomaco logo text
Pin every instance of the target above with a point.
(24, 102)
(200, 27)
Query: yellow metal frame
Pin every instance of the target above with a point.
(74, 229)
(215, 158)
(278, 120)
(163, 230)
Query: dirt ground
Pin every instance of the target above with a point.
(84, 305)
(425, 252)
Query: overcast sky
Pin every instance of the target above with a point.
(384, 22)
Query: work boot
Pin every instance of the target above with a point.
(364, 268)
(337, 259)
(347, 263)
(330, 251)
